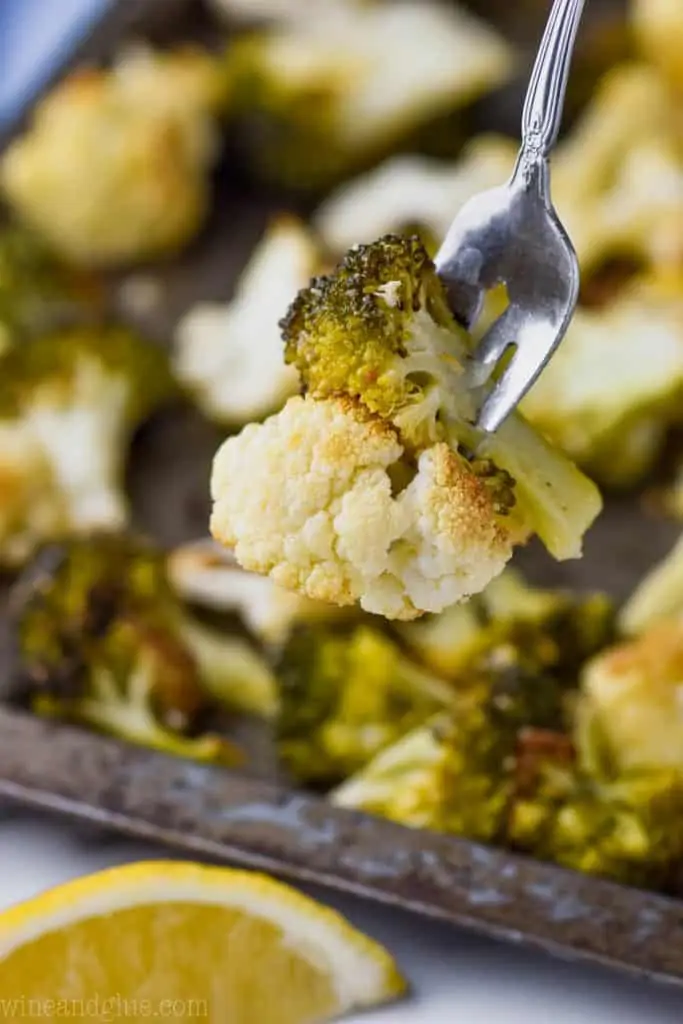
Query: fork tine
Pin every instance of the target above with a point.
(502, 333)
(535, 342)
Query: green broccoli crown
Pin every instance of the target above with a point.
(344, 695)
(49, 366)
(628, 828)
(35, 288)
(98, 640)
(378, 330)
(72, 595)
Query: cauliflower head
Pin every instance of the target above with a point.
(336, 90)
(630, 715)
(308, 497)
(657, 597)
(70, 403)
(231, 356)
(114, 167)
(658, 28)
(412, 190)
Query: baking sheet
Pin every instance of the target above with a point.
(249, 818)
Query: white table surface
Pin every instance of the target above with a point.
(457, 978)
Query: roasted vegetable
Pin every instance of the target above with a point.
(628, 828)
(554, 629)
(231, 356)
(363, 490)
(345, 695)
(38, 292)
(70, 402)
(207, 575)
(658, 28)
(322, 95)
(251, 11)
(614, 389)
(659, 596)
(459, 772)
(630, 715)
(114, 166)
(411, 191)
(101, 639)
(456, 772)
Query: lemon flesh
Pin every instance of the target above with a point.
(203, 944)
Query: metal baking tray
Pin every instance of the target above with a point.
(250, 818)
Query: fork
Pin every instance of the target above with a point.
(512, 235)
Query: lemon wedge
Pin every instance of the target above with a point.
(190, 942)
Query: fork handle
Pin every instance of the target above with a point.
(544, 104)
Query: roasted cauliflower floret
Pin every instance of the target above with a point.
(337, 89)
(71, 401)
(114, 167)
(614, 387)
(308, 497)
(231, 356)
(630, 714)
(658, 28)
(411, 190)
(251, 11)
(657, 597)
(31, 506)
(362, 490)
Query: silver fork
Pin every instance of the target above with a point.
(512, 235)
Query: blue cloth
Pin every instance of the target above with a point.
(35, 37)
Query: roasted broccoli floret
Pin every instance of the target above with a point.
(230, 356)
(101, 638)
(363, 490)
(345, 694)
(457, 772)
(114, 167)
(614, 390)
(557, 628)
(71, 401)
(628, 828)
(37, 291)
(321, 95)
(97, 642)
